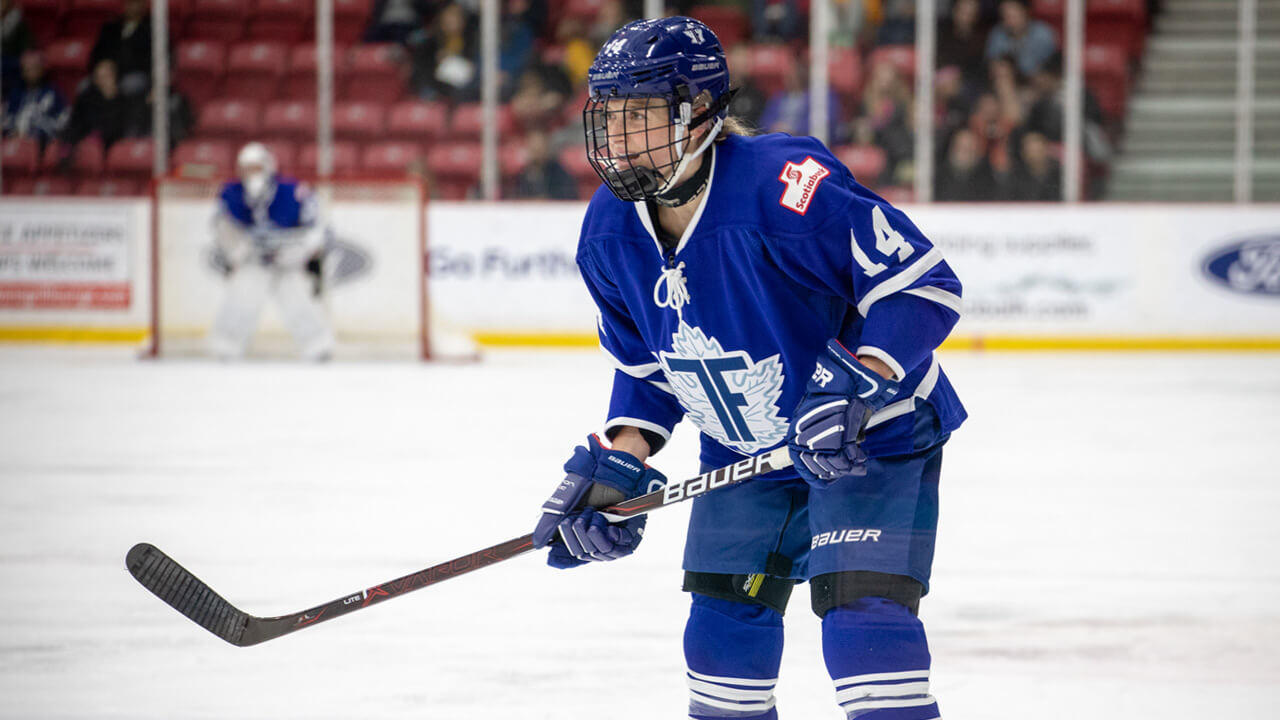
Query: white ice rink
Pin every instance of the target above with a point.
(1108, 550)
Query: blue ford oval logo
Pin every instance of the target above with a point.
(1250, 266)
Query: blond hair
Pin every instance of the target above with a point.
(734, 125)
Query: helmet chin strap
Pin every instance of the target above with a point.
(677, 195)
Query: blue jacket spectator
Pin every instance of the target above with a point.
(1030, 42)
(33, 107)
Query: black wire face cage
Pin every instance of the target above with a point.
(619, 130)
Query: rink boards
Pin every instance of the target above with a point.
(1035, 276)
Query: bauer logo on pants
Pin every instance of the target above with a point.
(834, 537)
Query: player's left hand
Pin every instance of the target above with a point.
(829, 421)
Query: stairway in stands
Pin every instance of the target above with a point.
(1180, 131)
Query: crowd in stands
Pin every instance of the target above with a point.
(78, 94)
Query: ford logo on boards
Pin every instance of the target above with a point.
(1251, 266)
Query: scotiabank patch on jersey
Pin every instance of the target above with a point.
(802, 181)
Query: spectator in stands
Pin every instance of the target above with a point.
(1045, 115)
(126, 42)
(993, 129)
(899, 26)
(776, 21)
(749, 101)
(965, 175)
(788, 110)
(541, 95)
(101, 108)
(543, 177)
(1030, 42)
(951, 101)
(1009, 93)
(884, 118)
(579, 53)
(16, 40)
(33, 107)
(849, 19)
(1036, 176)
(521, 22)
(611, 16)
(445, 56)
(182, 117)
(392, 21)
(962, 43)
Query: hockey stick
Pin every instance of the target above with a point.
(173, 584)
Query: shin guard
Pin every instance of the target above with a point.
(733, 651)
(877, 655)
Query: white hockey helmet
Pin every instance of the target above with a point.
(256, 166)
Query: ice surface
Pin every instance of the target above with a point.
(1107, 550)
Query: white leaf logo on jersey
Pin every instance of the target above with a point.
(727, 395)
(802, 181)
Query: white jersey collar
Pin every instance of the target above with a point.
(643, 212)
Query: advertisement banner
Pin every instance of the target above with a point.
(66, 256)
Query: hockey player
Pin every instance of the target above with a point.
(750, 284)
(267, 241)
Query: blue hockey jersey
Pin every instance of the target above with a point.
(287, 205)
(786, 251)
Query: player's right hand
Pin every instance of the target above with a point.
(595, 477)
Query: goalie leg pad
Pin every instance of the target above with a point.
(878, 658)
(237, 318)
(303, 313)
(733, 651)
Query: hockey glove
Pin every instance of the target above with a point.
(594, 477)
(830, 420)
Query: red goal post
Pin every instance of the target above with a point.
(375, 272)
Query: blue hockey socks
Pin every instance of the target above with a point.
(877, 655)
(733, 651)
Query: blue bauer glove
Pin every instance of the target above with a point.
(830, 420)
(594, 477)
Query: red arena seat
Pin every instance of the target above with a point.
(294, 119)
(359, 121)
(254, 70)
(575, 162)
(43, 17)
(206, 159)
(86, 158)
(346, 160)
(769, 66)
(455, 162)
(866, 162)
(111, 187)
(284, 21)
(67, 62)
(300, 77)
(513, 157)
(200, 66)
(373, 73)
(222, 20)
(286, 154)
(728, 22)
(43, 185)
(389, 159)
(21, 156)
(844, 69)
(350, 17)
(417, 121)
(131, 157)
(234, 119)
(468, 121)
(84, 18)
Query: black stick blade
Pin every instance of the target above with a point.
(185, 593)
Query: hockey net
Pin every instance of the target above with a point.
(374, 274)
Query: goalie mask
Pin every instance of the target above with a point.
(644, 85)
(256, 167)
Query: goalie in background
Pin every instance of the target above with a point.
(267, 242)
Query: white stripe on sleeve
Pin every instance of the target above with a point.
(896, 283)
